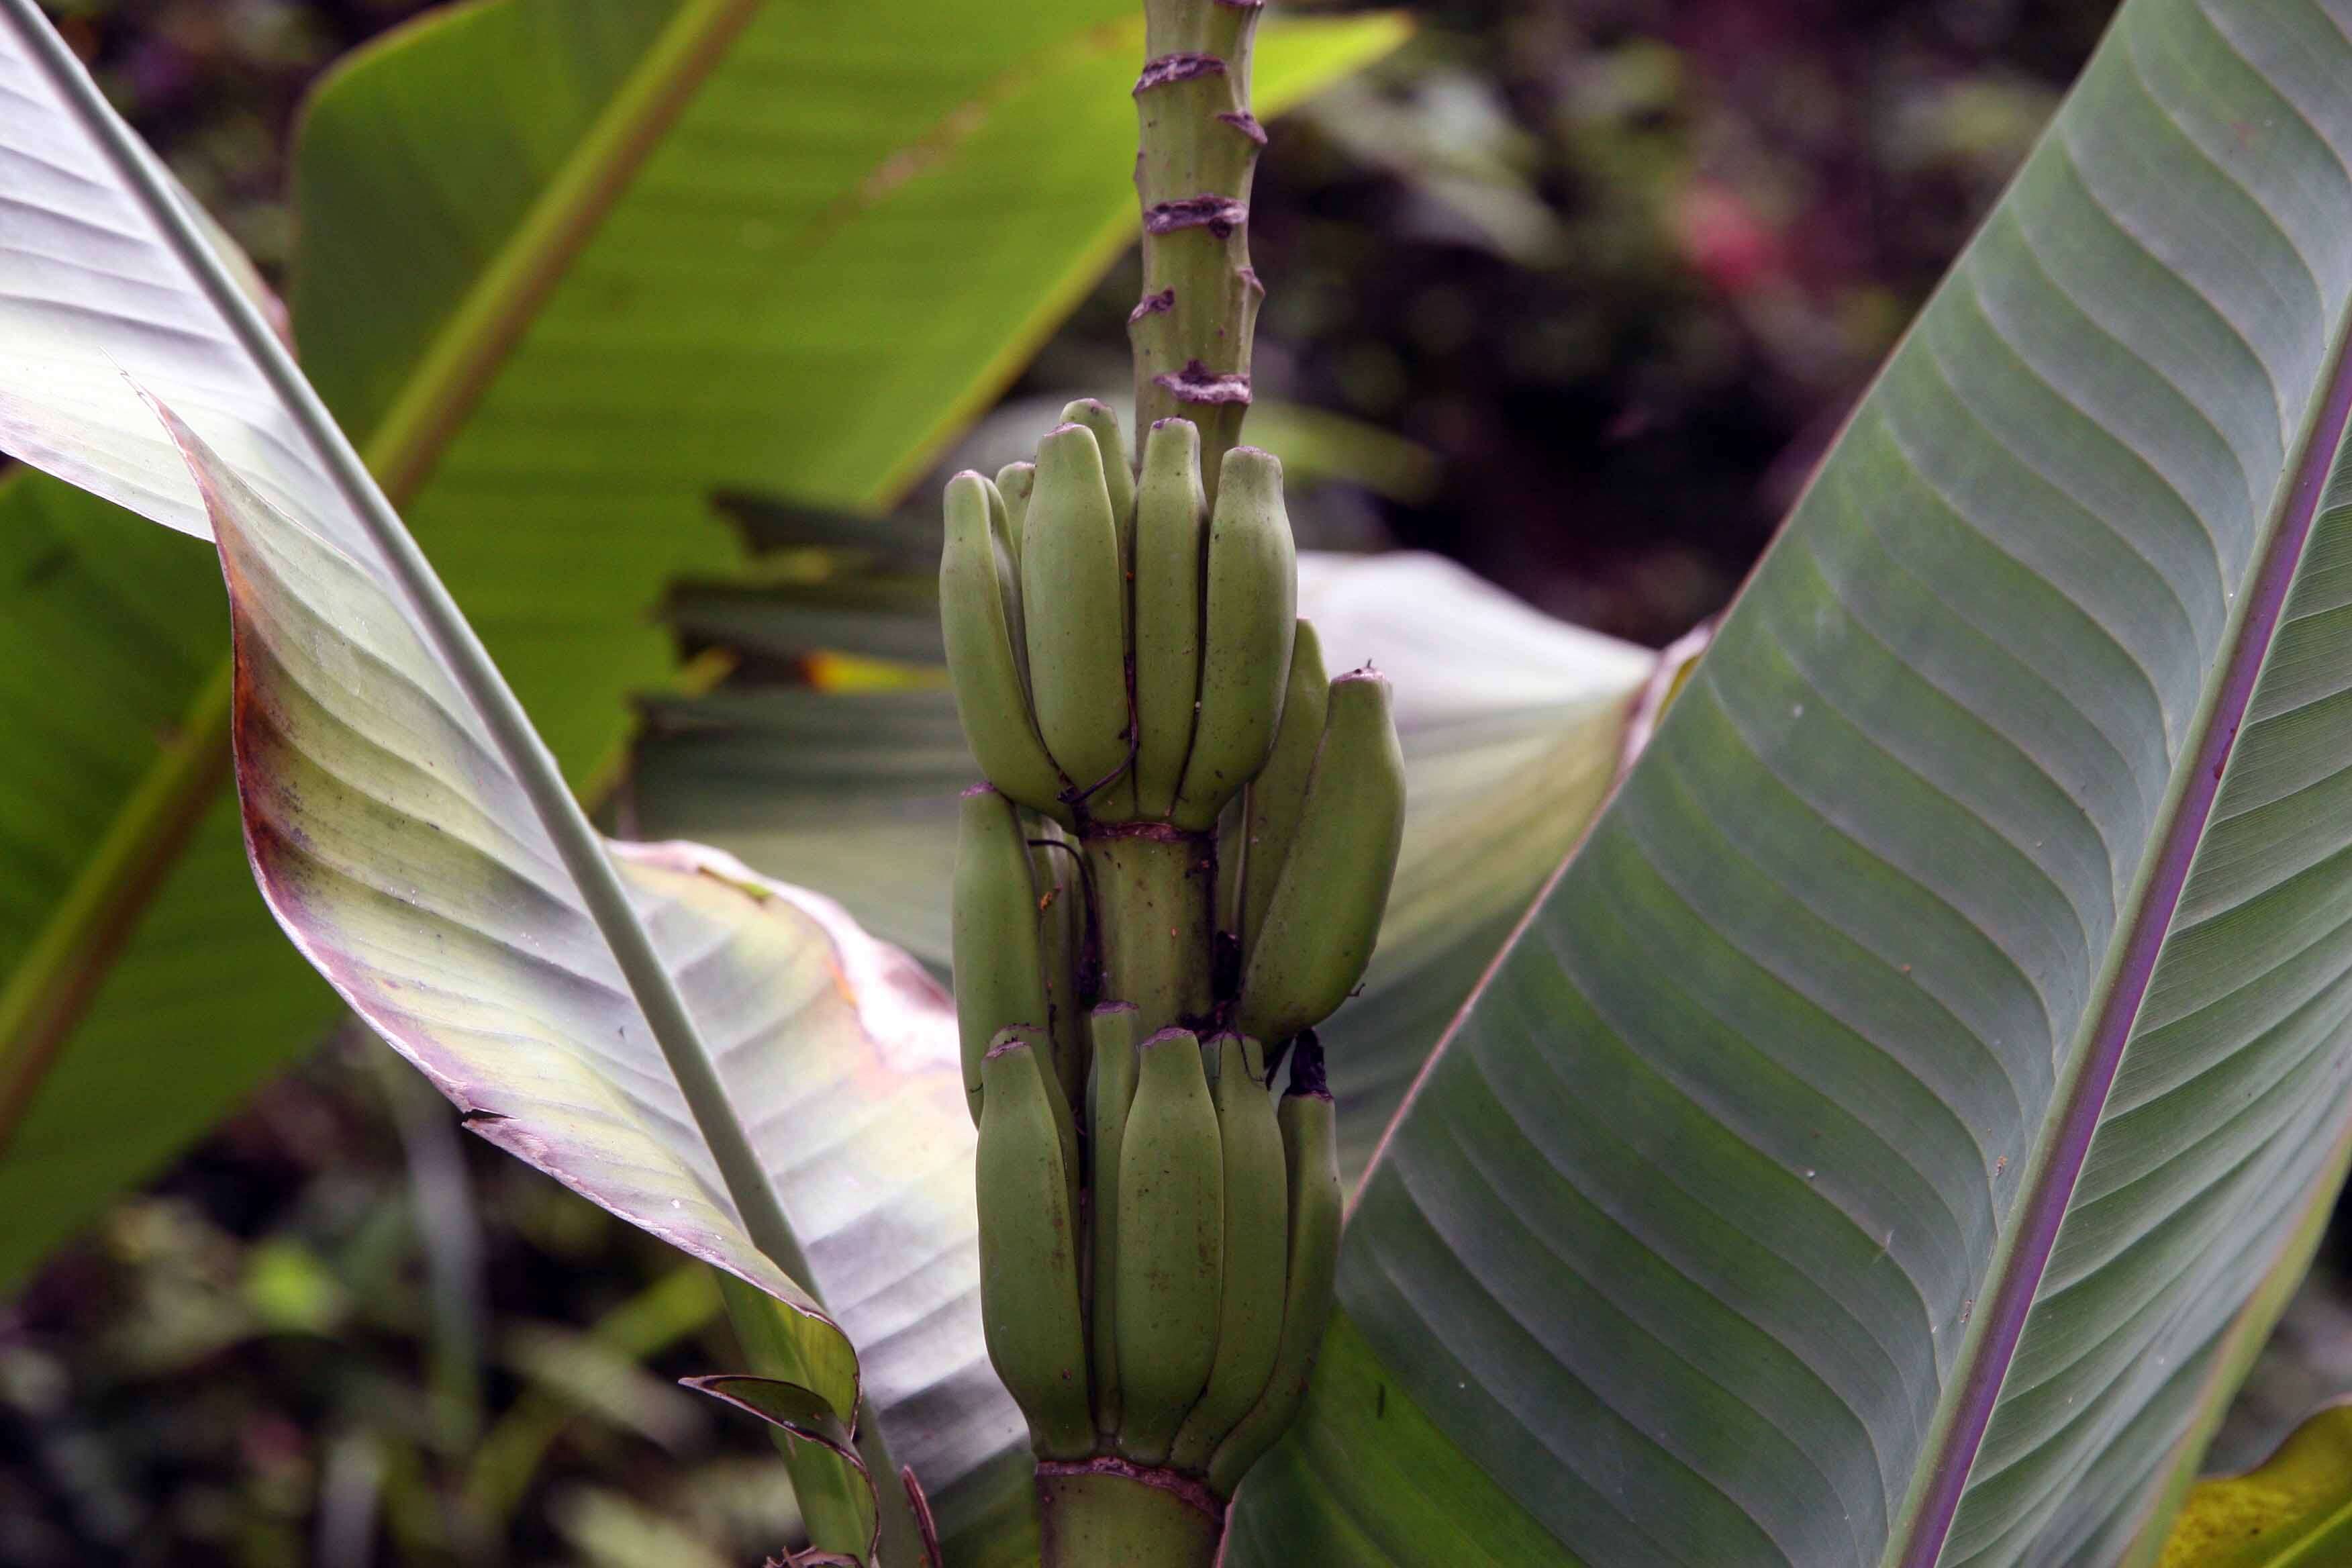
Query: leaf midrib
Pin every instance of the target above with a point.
(46, 995)
(1965, 1410)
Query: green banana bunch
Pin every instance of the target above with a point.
(1031, 1310)
(1310, 1148)
(1209, 833)
(1257, 1251)
(1252, 591)
(1000, 979)
(1170, 1261)
(1333, 885)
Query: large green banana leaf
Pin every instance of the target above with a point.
(568, 267)
(1863, 1153)
(1512, 725)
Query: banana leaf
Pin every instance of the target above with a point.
(569, 268)
(652, 1025)
(2296, 1507)
(1861, 1155)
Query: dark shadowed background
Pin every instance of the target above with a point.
(1576, 288)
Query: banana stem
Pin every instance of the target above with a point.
(1154, 884)
(1107, 1513)
(1191, 332)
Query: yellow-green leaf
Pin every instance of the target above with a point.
(2293, 1510)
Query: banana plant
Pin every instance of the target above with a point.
(495, 275)
(1875, 1145)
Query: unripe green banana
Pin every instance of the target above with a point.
(1030, 1307)
(1013, 482)
(1310, 1148)
(1062, 917)
(1110, 1088)
(1172, 525)
(1250, 616)
(1277, 798)
(1326, 911)
(1257, 1253)
(993, 926)
(980, 617)
(1169, 1257)
(1074, 598)
(1119, 472)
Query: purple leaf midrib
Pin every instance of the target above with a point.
(2042, 1211)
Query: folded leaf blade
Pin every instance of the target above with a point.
(82, 262)
(398, 851)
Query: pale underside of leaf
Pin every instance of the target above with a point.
(393, 847)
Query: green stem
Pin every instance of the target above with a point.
(1154, 888)
(1191, 332)
(1108, 1513)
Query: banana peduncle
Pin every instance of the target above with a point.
(1191, 332)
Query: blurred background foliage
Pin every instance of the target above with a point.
(1571, 291)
